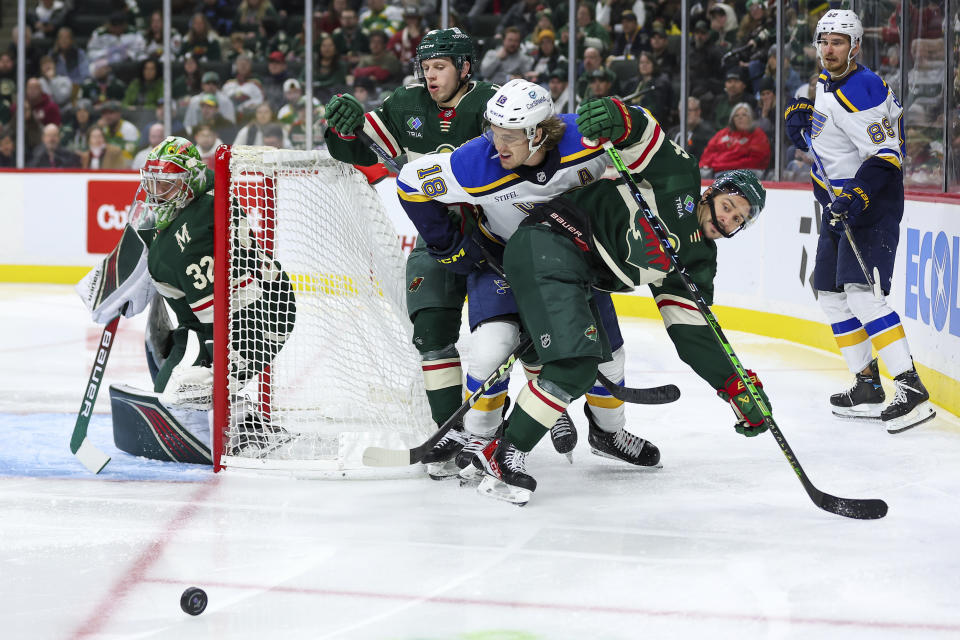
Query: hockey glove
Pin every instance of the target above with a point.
(344, 113)
(851, 203)
(798, 115)
(750, 420)
(462, 256)
(603, 118)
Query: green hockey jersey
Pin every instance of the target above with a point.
(409, 121)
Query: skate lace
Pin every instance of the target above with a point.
(454, 435)
(902, 386)
(628, 443)
(475, 446)
(515, 459)
(562, 427)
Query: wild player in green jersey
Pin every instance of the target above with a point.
(437, 115)
(595, 236)
(176, 225)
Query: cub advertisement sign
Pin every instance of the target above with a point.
(108, 203)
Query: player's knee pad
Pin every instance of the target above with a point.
(490, 344)
(864, 304)
(835, 306)
(435, 329)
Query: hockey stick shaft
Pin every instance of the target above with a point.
(872, 281)
(377, 149)
(380, 457)
(91, 457)
(865, 509)
(643, 395)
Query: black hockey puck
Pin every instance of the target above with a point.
(193, 601)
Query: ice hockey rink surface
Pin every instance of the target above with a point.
(722, 542)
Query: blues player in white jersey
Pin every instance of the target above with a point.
(528, 155)
(856, 127)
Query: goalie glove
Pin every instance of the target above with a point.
(189, 387)
(750, 420)
(121, 278)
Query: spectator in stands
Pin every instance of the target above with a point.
(522, 15)
(274, 38)
(47, 18)
(546, 57)
(379, 64)
(791, 79)
(58, 87)
(558, 91)
(210, 86)
(243, 89)
(329, 20)
(740, 145)
(153, 37)
(706, 72)
(253, 132)
(116, 42)
(155, 135)
(631, 40)
(274, 82)
(8, 82)
(76, 125)
(34, 50)
(329, 72)
(404, 42)
(250, 15)
(297, 131)
(665, 61)
(364, 91)
(653, 90)
(201, 41)
(71, 60)
(350, 40)
(592, 60)
(50, 155)
(765, 114)
(40, 105)
(756, 19)
(734, 92)
(100, 154)
(207, 142)
(699, 130)
(610, 14)
(8, 156)
(117, 130)
(723, 20)
(601, 83)
(589, 32)
(210, 116)
(219, 14)
(146, 88)
(188, 83)
(102, 85)
(375, 18)
(236, 47)
(275, 136)
(507, 61)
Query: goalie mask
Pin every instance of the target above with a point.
(744, 183)
(173, 175)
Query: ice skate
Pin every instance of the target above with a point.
(864, 399)
(563, 434)
(909, 406)
(505, 475)
(440, 460)
(621, 445)
(470, 475)
(253, 438)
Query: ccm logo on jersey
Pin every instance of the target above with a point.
(108, 203)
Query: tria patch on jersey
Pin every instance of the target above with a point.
(415, 284)
(414, 122)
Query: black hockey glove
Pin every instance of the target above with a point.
(798, 116)
(750, 420)
(462, 256)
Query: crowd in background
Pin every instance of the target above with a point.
(95, 89)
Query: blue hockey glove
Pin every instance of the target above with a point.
(750, 420)
(831, 224)
(851, 203)
(798, 116)
(462, 256)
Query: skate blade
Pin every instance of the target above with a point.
(494, 488)
(597, 452)
(920, 414)
(569, 457)
(867, 412)
(470, 476)
(442, 470)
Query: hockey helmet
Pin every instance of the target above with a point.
(173, 175)
(446, 43)
(520, 104)
(743, 182)
(841, 21)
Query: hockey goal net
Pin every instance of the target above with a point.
(347, 375)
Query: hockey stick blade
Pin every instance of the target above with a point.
(856, 508)
(650, 395)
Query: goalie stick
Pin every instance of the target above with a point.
(861, 509)
(874, 281)
(91, 457)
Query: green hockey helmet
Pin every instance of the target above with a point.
(743, 182)
(446, 43)
(173, 175)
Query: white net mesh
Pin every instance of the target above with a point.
(347, 376)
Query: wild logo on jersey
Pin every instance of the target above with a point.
(642, 236)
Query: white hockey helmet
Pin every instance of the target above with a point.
(840, 21)
(520, 104)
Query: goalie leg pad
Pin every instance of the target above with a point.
(144, 426)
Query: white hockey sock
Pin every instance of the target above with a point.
(607, 411)
(490, 345)
(882, 324)
(847, 330)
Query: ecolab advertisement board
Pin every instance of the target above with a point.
(66, 221)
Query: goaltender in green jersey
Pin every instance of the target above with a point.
(596, 236)
(436, 115)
